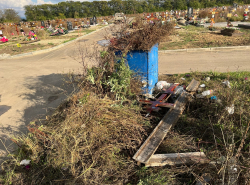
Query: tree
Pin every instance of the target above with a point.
(1, 16)
(76, 15)
(30, 12)
(11, 15)
(61, 16)
(167, 5)
(180, 5)
(195, 4)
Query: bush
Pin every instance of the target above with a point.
(41, 34)
(234, 18)
(203, 14)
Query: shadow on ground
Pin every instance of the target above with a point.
(45, 94)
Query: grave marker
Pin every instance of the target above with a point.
(69, 25)
(190, 11)
(42, 24)
(213, 16)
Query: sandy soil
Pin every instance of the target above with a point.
(54, 41)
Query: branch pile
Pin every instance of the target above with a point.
(143, 37)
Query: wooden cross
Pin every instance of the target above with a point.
(213, 16)
(17, 30)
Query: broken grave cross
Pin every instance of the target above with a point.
(160, 102)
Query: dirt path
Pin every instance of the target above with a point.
(220, 61)
(34, 85)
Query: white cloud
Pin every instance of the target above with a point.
(14, 3)
(19, 4)
(43, 2)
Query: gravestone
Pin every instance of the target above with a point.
(42, 24)
(91, 21)
(94, 19)
(235, 5)
(190, 11)
(69, 25)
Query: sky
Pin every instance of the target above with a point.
(19, 4)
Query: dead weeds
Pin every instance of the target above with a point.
(142, 37)
(89, 140)
(208, 127)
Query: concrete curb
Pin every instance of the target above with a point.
(53, 48)
(206, 49)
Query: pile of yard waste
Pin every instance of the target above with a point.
(142, 37)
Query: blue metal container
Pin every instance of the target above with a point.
(145, 64)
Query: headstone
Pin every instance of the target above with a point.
(69, 25)
(42, 24)
(91, 21)
(235, 5)
(94, 19)
(190, 11)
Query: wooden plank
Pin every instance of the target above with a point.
(177, 159)
(171, 117)
(193, 86)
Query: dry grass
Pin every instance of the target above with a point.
(142, 37)
(88, 140)
(196, 37)
(207, 126)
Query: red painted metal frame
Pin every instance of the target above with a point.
(160, 102)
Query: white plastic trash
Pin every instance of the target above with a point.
(227, 83)
(178, 90)
(230, 109)
(207, 79)
(162, 85)
(202, 85)
(208, 92)
(25, 162)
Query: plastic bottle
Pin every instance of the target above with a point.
(206, 93)
(178, 90)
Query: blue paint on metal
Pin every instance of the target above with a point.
(145, 64)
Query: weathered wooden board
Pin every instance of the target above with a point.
(177, 159)
(156, 137)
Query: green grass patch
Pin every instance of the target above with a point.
(73, 38)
